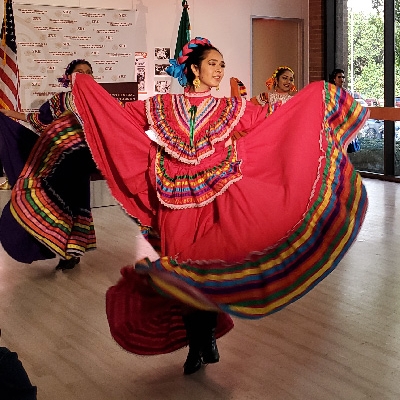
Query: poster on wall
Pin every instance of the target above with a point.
(162, 81)
(162, 54)
(162, 86)
(49, 37)
(122, 91)
(140, 70)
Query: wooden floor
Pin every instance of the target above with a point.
(341, 341)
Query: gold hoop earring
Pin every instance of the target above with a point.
(196, 82)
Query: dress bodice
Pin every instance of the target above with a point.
(272, 100)
(192, 164)
(51, 110)
(188, 127)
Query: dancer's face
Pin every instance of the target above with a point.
(339, 79)
(81, 69)
(285, 82)
(211, 71)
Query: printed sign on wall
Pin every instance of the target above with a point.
(50, 37)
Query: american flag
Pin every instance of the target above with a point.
(9, 74)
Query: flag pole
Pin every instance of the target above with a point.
(4, 30)
(184, 29)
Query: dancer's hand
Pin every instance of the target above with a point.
(237, 88)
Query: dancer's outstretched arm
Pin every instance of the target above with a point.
(13, 114)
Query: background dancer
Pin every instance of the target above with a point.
(58, 177)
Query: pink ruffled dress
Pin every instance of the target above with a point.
(243, 226)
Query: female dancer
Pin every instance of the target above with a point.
(50, 207)
(242, 230)
(282, 83)
(337, 77)
(280, 87)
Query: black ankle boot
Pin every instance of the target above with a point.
(193, 360)
(209, 349)
(210, 354)
(67, 264)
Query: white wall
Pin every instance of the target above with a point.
(226, 23)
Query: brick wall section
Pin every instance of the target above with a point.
(316, 39)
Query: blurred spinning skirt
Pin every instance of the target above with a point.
(50, 199)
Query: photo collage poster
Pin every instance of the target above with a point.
(162, 81)
(140, 71)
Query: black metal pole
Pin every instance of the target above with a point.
(330, 36)
(389, 85)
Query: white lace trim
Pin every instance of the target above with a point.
(275, 97)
